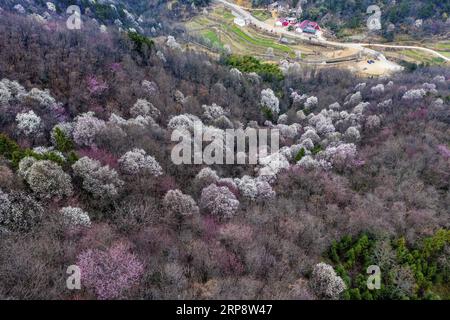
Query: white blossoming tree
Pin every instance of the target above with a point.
(137, 161)
(75, 217)
(172, 43)
(254, 189)
(180, 204)
(86, 128)
(46, 178)
(42, 97)
(311, 103)
(325, 282)
(144, 108)
(213, 111)
(182, 122)
(414, 94)
(352, 134)
(100, 181)
(28, 123)
(19, 212)
(218, 201)
(269, 102)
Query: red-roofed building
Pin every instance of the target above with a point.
(309, 26)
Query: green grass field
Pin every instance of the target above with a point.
(261, 15)
(212, 37)
(422, 57)
(257, 40)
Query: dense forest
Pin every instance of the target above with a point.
(86, 178)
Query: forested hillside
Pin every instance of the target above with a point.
(362, 176)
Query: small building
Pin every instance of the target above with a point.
(282, 22)
(292, 21)
(240, 22)
(309, 27)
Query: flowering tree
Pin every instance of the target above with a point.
(5, 205)
(378, 89)
(360, 86)
(172, 43)
(96, 86)
(335, 106)
(341, 155)
(150, 87)
(310, 134)
(42, 97)
(311, 102)
(101, 181)
(109, 273)
(86, 128)
(161, 56)
(255, 189)
(137, 160)
(213, 111)
(236, 74)
(5, 94)
(46, 178)
(19, 212)
(28, 122)
(219, 201)
(182, 122)
(373, 122)
(414, 94)
(180, 204)
(270, 102)
(355, 99)
(352, 134)
(325, 282)
(74, 217)
(309, 163)
(144, 108)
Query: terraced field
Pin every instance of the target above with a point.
(219, 29)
